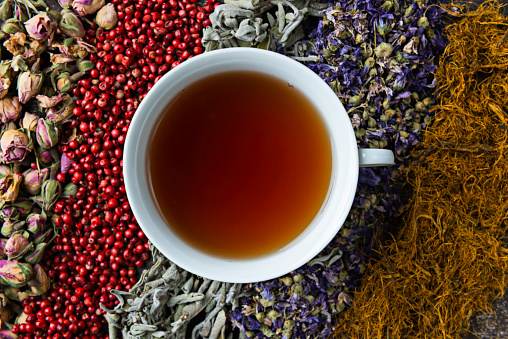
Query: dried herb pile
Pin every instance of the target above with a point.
(450, 258)
(166, 300)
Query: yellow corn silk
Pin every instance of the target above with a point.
(449, 258)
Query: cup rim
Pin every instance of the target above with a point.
(273, 265)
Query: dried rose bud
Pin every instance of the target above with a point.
(10, 109)
(61, 113)
(29, 85)
(45, 157)
(85, 65)
(9, 213)
(33, 180)
(7, 228)
(29, 121)
(35, 255)
(50, 192)
(17, 246)
(63, 84)
(14, 273)
(23, 205)
(20, 14)
(5, 11)
(71, 25)
(69, 190)
(107, 17)
(40, 27)
(35, 222)
(85, 7)
(10, 226)
(42, 283)
(47, 133)
(5, 83)
(9, 187)
(11, 26)
(45, 237)
(14, 146)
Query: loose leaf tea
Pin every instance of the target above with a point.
(449, 258)
(165, 301)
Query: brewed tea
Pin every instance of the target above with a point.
(240, 164)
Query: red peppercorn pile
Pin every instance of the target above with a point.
(101, 245)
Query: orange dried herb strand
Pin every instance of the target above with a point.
(449, 259)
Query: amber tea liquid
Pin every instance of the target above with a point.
(240, 164)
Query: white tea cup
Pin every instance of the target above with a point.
(346, 160)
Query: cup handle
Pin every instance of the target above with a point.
(373, 157)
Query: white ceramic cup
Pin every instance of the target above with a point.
(346, 159)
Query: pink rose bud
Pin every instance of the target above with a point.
(14, 146)
(29, 85)
(107, 17)
(40, 27)
(10, 109)
(85, 7)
